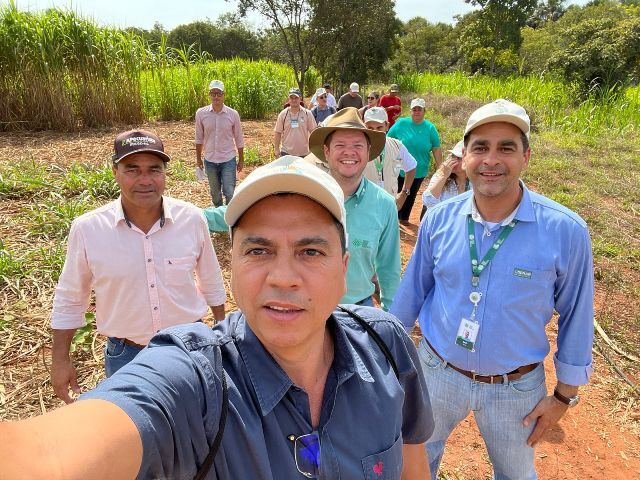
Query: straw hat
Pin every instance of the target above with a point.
(345, 119)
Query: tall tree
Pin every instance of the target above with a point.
(491, 38)
(356, 37)
(290, 19)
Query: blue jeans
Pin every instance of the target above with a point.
(498, 410)
(117, 354)
(366, 302)
(222, 180)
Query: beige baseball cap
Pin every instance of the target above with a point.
(288, 174)
(500, 111)
(376, 114)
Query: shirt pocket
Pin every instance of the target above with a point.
(527, 289)
(386, 465)
(178, 271)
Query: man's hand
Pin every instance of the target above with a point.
(401, 197)
(200, 163)
(547, 413)
(240, 166)
(63, 377)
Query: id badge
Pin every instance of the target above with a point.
(294, 123)
(467, 334)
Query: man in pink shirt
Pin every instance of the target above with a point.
(139, 255)
(218, 136)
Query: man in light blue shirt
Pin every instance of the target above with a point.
(489, 269)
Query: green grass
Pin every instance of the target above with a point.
(554, 105)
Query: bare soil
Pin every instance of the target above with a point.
(598, 439)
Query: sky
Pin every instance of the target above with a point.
(144, 13)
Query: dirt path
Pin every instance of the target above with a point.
(592, 441)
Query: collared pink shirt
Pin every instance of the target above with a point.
(142, 282)
(219, 133)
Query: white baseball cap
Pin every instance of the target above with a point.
(417, 102)
(376, 114)
(216, 84)
(500, 111)
(457, 150)
(288, 174)
(354, 87)
(321, 91)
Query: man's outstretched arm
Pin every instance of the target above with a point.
(89, 439)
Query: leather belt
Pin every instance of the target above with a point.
(511, 376)
(131, 343)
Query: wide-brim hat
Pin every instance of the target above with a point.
(346, 119)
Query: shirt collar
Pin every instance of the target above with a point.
(210, 109)
(523, 212)
(269, 380)
(120, 216)
(360, 191)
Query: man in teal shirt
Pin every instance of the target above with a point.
(346, 145)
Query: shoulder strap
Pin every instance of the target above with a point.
(206, 465)
(376, 338)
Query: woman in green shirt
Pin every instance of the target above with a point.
(421, 139)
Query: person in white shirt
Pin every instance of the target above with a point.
(385, 169)
(449, 180)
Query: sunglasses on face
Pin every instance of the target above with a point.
(371, 98)
(216, 94)
(322, 97)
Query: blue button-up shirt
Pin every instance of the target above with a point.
(172, 391)
(544, 264)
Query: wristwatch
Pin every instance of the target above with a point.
(406, 192)
(570, 401)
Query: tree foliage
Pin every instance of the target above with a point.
(491, 37)
(227, 38)
(424, 46)
(354, 38)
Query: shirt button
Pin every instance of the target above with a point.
(147, 237)
(155, 308)
(148, 259)
(152, 285)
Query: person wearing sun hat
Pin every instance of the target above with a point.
(139, 255)
(372, 226)
(316, 389)
(385, 169)
(490, 268)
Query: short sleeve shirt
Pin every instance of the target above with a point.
(172, 392)
(295, 129)
(419, 139)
